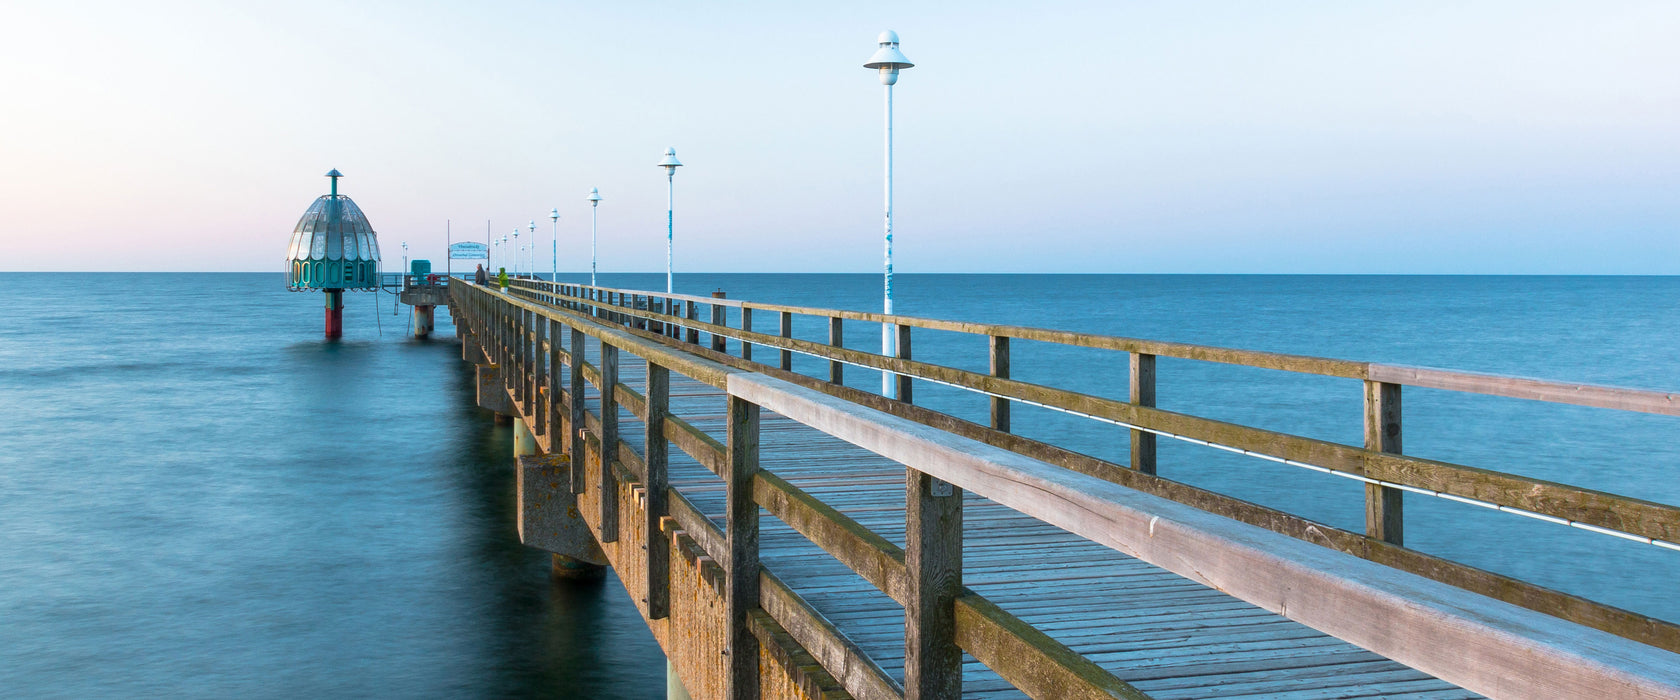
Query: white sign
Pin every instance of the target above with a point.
(469, 250)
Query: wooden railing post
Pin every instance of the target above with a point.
(533, 358)
(556, 435)
(933, 559)
(1000, 368)
(904, 354)
(1143, 394)
(609, 443)
(785, 330)
(657, 458)
(836, 369)
(720, 315)
(693, 315)
(746, 325)
(576, 435)
(539, 377)
(741, 598)
(1384, 517)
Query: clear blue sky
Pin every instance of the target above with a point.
(1324, 137)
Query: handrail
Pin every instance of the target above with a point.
(1489, 384)
(1655, 523)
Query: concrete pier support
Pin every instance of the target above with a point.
(561, 566)
(423, 321)
(524, 443)
(673, 685)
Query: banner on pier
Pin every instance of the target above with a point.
(469, 250)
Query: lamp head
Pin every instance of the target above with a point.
(669, 163)
(595, 196)
(554, 214)
(533, 226)
(887, 59)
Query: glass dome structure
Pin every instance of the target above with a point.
(333, 246)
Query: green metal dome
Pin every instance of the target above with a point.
(333, 246)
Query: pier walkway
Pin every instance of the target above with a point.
(912, 554)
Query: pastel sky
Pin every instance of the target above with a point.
(1300, 137)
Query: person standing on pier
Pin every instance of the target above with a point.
(481, 277)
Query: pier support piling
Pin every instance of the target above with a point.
(423, 321)
(335, 313)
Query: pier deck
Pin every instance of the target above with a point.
(784, 536)
(1168, 636)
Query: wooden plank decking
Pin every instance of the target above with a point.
(1167, 635)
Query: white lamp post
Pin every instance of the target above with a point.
(515, 251)
(670, 164)
(405, 262)
(554, 272)
(504, 251)
(533, 248)
(594, 208)
(888, 61)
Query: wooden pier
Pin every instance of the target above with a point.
(912, 554)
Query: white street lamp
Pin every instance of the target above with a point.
(888, 61)
(405, 262)
(515, 251)
(594, 209)
(554, 272)
(533, 248)
(670, 164)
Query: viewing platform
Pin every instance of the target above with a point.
(909, 553)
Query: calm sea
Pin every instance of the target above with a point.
(199, 497)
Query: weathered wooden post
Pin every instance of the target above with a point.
(556, 433)
(785, 330)
(693, 315)
(720, 315)
(741, 598)
(903, 353)
(1000, 369)
(746, 325)
(933, 560)
(1384, 518)
(540, 396)
(657, 451)
(609, 442)
(1143, 394)
(576, 434)
(836, 369)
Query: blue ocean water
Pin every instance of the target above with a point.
(200, 497)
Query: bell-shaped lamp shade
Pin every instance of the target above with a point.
(595, 194)
(887, 59)
(670, 162)
(554, 213)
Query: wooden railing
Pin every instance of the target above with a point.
(1379, 463)
(1412, 619)
(943, 619)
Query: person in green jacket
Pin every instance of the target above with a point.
(501, 277)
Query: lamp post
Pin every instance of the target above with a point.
(515, 251)
(594, 208)
(532, 246)
(887, 61)
(670, 164)
(554, 271)
(405, 261)
(504, 251)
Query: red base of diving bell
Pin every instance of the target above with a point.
(335, 313)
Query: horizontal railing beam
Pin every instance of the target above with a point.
(1418, 622)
